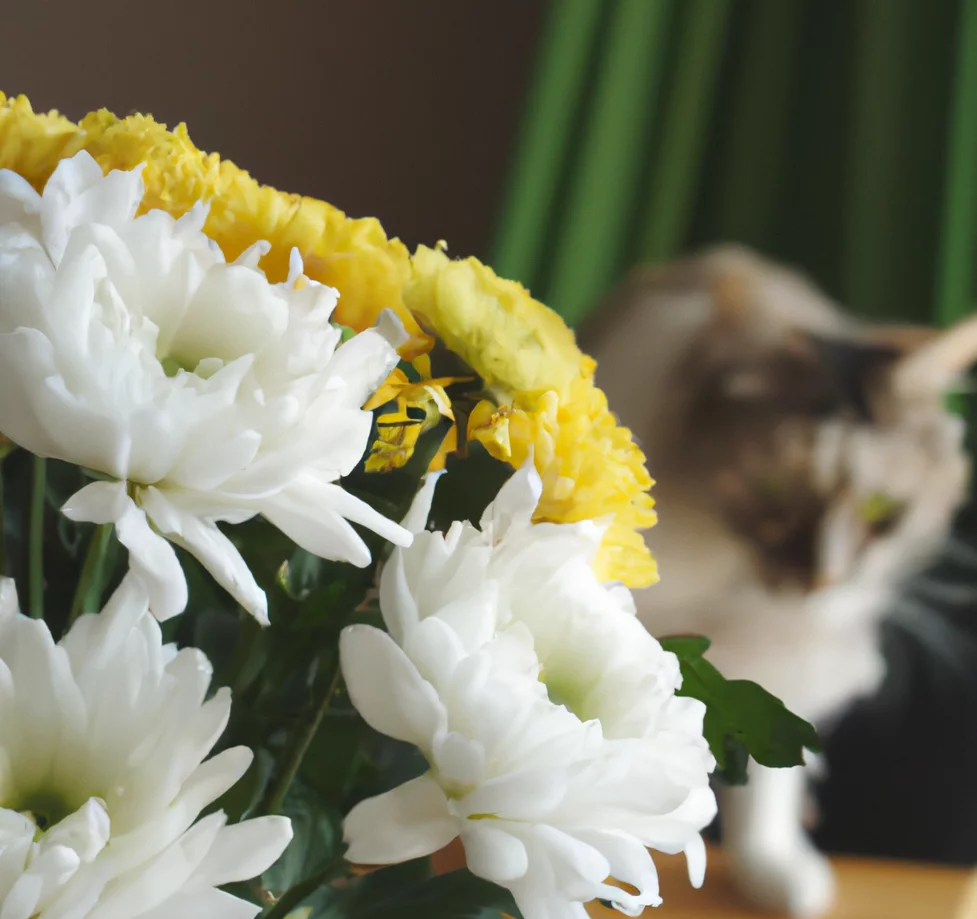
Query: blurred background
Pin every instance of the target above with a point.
(564, 142)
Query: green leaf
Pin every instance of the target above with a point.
(456, 895)
(335, 602)
(468, 486)
(243, 796)
(740, 715)
(316, 840)
(356, 896)
(299, 575)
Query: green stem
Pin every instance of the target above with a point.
(295, 751)
(35, 572)
(295, 895)
(88, 594)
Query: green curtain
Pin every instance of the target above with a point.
(837, 136)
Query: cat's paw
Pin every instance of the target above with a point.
(794, 879)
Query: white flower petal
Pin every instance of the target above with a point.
(86, 831)
(397, 602)
(515, 502)
(630, 863)
(386, 687)
(129, 346)
(409, 822)
(435, 649)
(562, 750)
(206, 466)
(576, 870)
(460, 760)
(98, 502)
(492, 853)
(244, 850)
(313, 513)
(319, 530)
(9, 605)
(25, 358)
(362, 363)
(153, 558)
(391, 328)
(695, 856)
(150, 556)
(109, 718)
(203, 540)
(43, 876)
(358, 511)
(420, 508)
(167, 871)
(18, 200)
(530, 795)
(17, 838)
(203, 904)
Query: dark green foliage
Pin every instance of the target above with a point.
(741, 717)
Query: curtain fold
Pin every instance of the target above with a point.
(838, 137)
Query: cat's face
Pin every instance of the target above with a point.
(815, 474)
(821, 444)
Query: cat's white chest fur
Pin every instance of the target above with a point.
(814, 651)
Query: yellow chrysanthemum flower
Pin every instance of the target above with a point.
(494, 325)
(541, 385)
(399, 430)
(543, 399)
(353, 256)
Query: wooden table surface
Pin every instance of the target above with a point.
(867, 889)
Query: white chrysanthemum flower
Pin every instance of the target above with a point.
(559, 752)
(200, 390)
(102, 778)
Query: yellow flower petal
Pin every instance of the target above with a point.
(494, 325)
(546, 402)
(448, 446)
(399, 431)
(395, 443)
(541, 384)
(389, 390)
(590, 467)
(353, 256)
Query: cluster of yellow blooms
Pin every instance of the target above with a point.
(538, 390)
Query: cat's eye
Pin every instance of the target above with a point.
(880, 512)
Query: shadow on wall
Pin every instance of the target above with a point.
(404, 111)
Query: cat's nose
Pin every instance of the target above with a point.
(822, 581)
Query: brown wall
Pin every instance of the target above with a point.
(403, 109)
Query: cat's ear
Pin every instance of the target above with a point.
(932, 367)
(854, 367)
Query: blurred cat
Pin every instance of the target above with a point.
(806, 467)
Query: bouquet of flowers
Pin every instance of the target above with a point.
(253, 448)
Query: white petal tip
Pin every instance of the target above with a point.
(391, 328)
(402, 537)
(695, 857)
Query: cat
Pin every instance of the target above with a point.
(805, 466)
